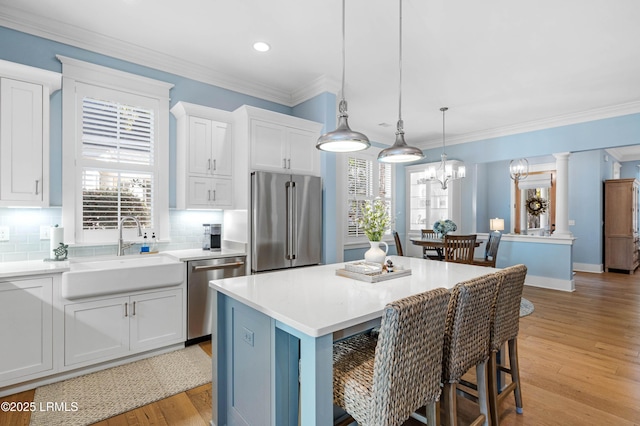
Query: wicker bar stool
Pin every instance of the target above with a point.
(466, 343)
(380, 382)
(504, 329)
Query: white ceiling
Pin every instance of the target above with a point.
(501, 66)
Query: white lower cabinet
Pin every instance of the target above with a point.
(100, 330)
(26, 328)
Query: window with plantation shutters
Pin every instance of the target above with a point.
(366, 179)
(116, 154)
(117, 157)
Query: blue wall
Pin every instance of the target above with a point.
(486, 160)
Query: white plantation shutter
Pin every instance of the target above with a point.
(107, 195)
(117, 164)
(113, 132)
(366, 180)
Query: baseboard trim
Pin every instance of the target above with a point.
(588, 267)
(550, 283)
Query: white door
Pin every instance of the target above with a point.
(96, 330)
(303, 155)
(199, 146)
(268, 146)
(222, 149)
(200, 192)
(156, 319)
(26, 331)
(222, 194)
(21, 142)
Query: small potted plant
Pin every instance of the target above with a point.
(374, 223)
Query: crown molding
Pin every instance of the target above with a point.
(320, 85)
(94, 42)
(531, 126)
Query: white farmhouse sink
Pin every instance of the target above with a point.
(95, 276)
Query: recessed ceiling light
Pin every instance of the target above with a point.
(261, 46)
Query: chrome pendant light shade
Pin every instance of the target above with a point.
(343, 139)
(400, 152)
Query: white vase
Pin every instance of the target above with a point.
(375, 254)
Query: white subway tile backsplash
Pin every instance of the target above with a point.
(25, 244)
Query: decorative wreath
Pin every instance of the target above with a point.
(537, 205)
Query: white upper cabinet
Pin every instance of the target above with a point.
(270, 141)
(204, 160)
(282, 143)
(24, 134)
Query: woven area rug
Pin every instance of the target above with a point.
(526, 307)
(116, 390)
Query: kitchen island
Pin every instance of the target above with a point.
(271, 328)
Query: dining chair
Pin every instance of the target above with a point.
(466, 343)
(490, 251)
(504, 329)
(429, 252)
(381, 382)
(459, 248)
(396, 237)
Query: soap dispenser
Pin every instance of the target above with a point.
(145, 244)
(154, 243)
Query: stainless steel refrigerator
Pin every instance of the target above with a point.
(286, 221)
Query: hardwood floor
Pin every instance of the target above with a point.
(579, 362)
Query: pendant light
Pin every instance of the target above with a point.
(400, 152)
(519, 169)
(447, 170)
(343, 139)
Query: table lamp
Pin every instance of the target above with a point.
(496, 224)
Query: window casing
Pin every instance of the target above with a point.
(366, 179)
(115, 129)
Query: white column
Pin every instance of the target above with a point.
(562, 195)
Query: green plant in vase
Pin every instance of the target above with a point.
(374, 223)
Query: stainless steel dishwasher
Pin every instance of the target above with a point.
(199, 309)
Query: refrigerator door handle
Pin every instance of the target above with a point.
(289, 210)
(294, 221)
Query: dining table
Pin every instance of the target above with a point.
(437, 243)
(273, 334)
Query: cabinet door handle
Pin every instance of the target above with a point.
(209, 195)
(289, 163)
(133, 313)
(214, 165)
(37, 182)
(126, 305)
(284, 163)
(214, 195)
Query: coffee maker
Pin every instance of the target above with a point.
(216, 236)
(212, 236)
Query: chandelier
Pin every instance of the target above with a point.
(446, 170)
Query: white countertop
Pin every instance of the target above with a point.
(198, 254)
(315, 301)
(39, 267)
(32, 267)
